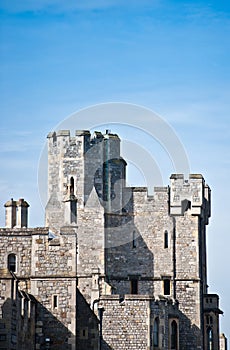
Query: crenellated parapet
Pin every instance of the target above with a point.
(83, 140)
(191, 195)
(77, 164)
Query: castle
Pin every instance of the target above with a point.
(114, 268)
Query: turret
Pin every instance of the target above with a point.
(76, 165)
(192, 194)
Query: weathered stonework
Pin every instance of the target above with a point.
(115, 268)
(45, 268)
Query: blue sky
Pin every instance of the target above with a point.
(170, 56)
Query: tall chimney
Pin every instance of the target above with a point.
(10, 213)
(16, 213)
(22, 213)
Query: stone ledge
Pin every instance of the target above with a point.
(161, 189)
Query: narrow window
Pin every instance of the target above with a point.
(71, 186)
(174, 336)
(156, 333)
(166, 239)
(210, 338)
(29, 308)
(134, 286)
(12, 262)
(84, 333)
(209, 320)
(73, 211)
(167, 287)
(22, 306)
(134, 239)
(55, 301)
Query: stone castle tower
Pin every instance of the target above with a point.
(115, 268)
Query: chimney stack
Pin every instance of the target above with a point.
(16, 213)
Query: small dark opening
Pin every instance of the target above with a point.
(55, 300)
(71, 186)
(73, 211)
(209, 319)
(134, 286)
(174, 335)
(167, 287)
(166, 240)
(185, 205)
(134, 240)
(156, 332)
(12, 262)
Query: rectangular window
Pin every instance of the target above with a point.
(166, 239)
(2, 337)
(22, 306)
(29, 308)
(134, 244)
(84, 333)
(134, 286)
(166, 286)
(55, 301)
(73, 211)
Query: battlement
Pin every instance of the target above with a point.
(211, 302)
(85, 134)
(190, 194)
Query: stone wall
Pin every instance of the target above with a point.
(104, 238)
(17, 315)
(46, 268)
(137, 249)
(128, 322)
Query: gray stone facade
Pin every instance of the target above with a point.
(115, 268)
(46, 269)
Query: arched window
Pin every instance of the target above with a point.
(12, 262)
(73, 203)
(210, 338)
(174, 336)
(166, 239)
(156, 333)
